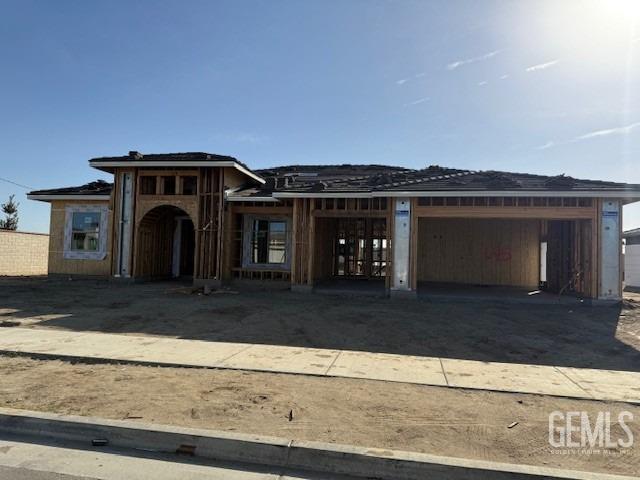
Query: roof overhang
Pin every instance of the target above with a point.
(51, 197)
(252, 199)
(110, 164)
(324, 195)
(631, 196)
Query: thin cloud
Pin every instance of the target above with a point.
(402, 81)
(541, 66)
(416, 102)
(608, 131)
(545, 146)
(466, 61)
(624, 130)
(481, 84)
(504, 77)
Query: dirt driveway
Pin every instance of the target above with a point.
(582, 336)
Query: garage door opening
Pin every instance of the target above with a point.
(504, 256)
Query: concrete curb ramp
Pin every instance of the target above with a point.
(584, 383)
(273, 451)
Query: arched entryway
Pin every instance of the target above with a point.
(165, 244)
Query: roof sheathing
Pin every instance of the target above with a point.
(97, 190)
(631, 233)
(186, 159)
(364, 181)
(377, 180)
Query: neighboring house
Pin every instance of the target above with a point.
(212, 218)
(632, 258)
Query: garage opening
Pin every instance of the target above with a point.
(569, 253)
(165, 244)
(520, 256)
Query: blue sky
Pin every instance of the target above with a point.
(531, 86)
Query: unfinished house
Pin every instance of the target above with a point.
(632, 259)
(358, 227)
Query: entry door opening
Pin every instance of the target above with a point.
(360, 248)
(164, 244)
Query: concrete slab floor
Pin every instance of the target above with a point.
(507, 377)
(447, 292)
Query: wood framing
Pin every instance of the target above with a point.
(453, 225)
(301, 242)
(57, 263)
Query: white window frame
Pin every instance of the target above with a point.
(99, 254)
(247, 236)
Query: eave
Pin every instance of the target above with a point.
(52, 197)
(252, 199)
(621, 194)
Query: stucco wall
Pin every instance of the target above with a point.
(23, 253)
(67, 266)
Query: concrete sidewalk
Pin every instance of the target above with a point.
(507, 377)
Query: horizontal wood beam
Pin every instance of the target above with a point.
(547, 213)
(350, 213)
(252, 209)
(166, 172)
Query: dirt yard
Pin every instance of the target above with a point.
(579, 336)
(453, 422)
(442, 421)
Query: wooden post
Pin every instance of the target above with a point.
(294, 241)
(413, 251)
(389, 253)
(311, 244)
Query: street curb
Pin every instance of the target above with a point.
(274, 451)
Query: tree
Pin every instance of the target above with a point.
(10, 209)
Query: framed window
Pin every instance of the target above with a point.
(266, 242)
(85, 235)
(169, 185)
(189, 185)
(148, 185)
(85, 231)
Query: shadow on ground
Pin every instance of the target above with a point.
(563, 335)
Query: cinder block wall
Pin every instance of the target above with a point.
(23, 253)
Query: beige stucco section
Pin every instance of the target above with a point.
(64, 266)
(23, 253)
